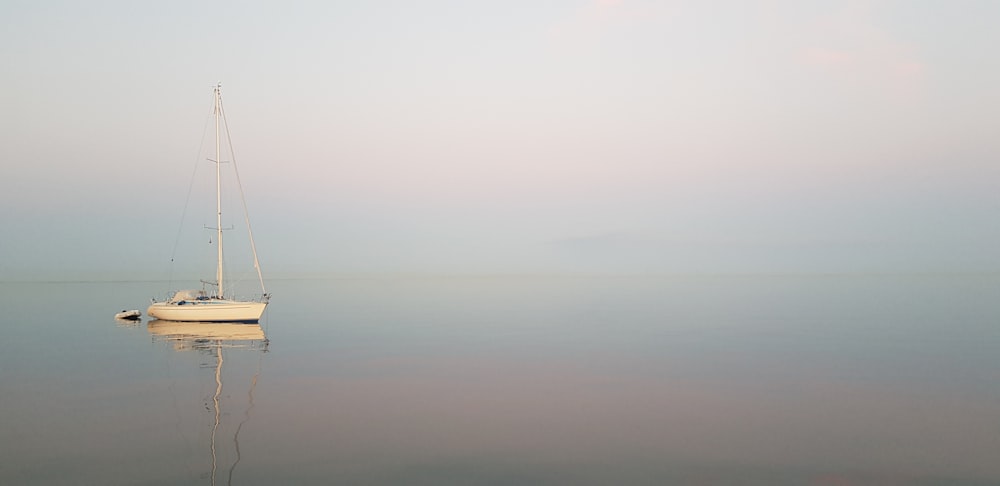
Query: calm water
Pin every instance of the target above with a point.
(514, 381)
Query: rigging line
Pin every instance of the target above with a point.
(246, 212)
(246, 415)
(187, 201)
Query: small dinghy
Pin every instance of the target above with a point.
(131, 315)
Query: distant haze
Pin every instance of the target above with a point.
(507, 137)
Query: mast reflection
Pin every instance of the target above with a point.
(211, 339)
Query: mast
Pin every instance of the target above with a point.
(218, 187)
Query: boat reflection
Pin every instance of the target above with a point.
(128, 323)
(211, 339)
(208, 335)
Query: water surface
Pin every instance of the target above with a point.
(824, 380)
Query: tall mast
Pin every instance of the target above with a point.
(218, 186)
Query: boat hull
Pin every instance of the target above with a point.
(129, 315)
(212, 310)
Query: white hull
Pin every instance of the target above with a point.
(128, 315)
(211, 310)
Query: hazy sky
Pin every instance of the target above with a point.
(464, 137)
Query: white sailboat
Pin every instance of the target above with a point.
(199, 305)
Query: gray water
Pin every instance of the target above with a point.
(710, 380)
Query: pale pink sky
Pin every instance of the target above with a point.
(574, 136)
